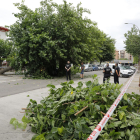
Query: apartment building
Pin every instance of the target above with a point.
(125, 55)
(116, 54)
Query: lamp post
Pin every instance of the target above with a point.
(139, 56)
(133, 24)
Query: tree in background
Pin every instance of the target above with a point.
(5, 49)
(136, 59)
(132, 43)
(51, 35)
(107, 49)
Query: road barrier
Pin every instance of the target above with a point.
(94, 135)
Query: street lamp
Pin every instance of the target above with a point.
(133, 24)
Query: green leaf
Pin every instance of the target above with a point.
(22, 125)
(13, 119)
(40, 137)
(92, 127)
(25, 119)
(128, 133)
(123, 108)
(104, 98)
(51, 86)
(71, 82)
(116, 124)
(132, 137)
(60, 130)
(80, 84)
(112, 133)
(88, 83)
(121, 114)
(63, 117)
(122, 133)
(123, 125)
(97, 107)
(54, 130)
(125, 97)
(15, 123)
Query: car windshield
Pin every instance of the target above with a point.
(122, 68)
(86, 65)
(93, 65)
(127, 67)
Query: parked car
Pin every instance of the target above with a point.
(112, 66)
(4, 63)
(133, 68)
(129, 68)
(100, 67)
(95, 67)
(88, 67)
(125, 72)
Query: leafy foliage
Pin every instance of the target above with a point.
(107, 49)
(51, 35)
(132, 43)
(54, 118)
(5, 49)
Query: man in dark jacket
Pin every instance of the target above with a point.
(68, 70)
(116, 74)
(107, 71)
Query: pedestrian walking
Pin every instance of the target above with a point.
(107, 72)
(116, 74)
(82, 70)
(68, 70)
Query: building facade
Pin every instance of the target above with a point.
(122, 54)
(3, 31)
(125, 55)
(116, 55)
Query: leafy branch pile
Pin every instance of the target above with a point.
(70, 113)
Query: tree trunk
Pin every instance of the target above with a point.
(5, 70)
(139, 65)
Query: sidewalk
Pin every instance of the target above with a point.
(134, 87)
(10, 107)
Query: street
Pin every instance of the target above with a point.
(14, 84)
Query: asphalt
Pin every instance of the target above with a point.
(13, 84)
(10, 106)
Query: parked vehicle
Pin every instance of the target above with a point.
(95, 67)
(4, 62)
(125, 72)
(112, 66)
(129, 68)
(88, 67)
(133, 68)
(100, 67)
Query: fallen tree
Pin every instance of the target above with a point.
(5, 70)
(72, 113)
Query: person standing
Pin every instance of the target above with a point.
(82, 70)
(107, 71)
(116, 74)
(68, 70)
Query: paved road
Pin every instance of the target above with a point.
(14, 84)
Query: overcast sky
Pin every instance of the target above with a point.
(110, 15)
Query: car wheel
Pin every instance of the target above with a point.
(121, 75)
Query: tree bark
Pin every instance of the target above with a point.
(5, 70)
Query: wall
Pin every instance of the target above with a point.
(117, 55)
(2, 35)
